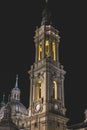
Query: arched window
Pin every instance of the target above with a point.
(55, 96)
(47, 48)
(38, 95)
(54, 51)
(39, 51)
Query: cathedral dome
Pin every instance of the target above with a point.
(16, 108)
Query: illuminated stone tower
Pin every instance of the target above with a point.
(47, 108)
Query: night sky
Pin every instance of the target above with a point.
(18, 21)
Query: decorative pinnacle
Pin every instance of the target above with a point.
(3, 97)
(16, 84)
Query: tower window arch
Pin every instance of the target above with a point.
(47, 48)
(38, 94)
(39, 51)
(55, 96)
(54, 51)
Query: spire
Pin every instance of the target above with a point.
(16, 84)
(46, 15)
(3, 97)
(15, 93)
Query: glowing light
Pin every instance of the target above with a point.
(39, 89)
(47, 48)
(54, 51)
(39, 51)
(55, 90)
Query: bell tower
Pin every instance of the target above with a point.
(47, 107)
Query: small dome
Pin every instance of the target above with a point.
(15, 89)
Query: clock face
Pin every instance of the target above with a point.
(37, 107)
(55, 106)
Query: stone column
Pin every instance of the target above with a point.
(57, 53)
(37, 92)
(62, 91)
(48, 84)
(59, 90)
(56, 94)
(50, 46)
(43, 49)
(31, 83)
(36, 45)
(33, 92)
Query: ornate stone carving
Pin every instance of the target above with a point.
(40, 76)
(37, 107)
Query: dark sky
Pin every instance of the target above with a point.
(18, 21)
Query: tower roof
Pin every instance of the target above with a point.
(46, 15)
(16, 84)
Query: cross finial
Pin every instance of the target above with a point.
(16, 84)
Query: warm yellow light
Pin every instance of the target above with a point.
(55, 96)
(39, 81)
(39, 51)
(47, 48)
(39, 89)
(54, 51)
